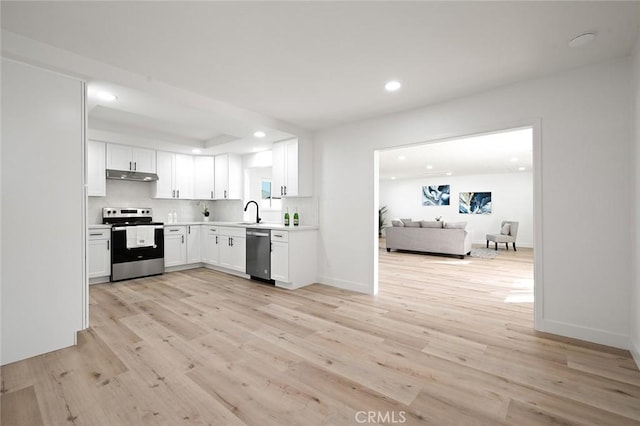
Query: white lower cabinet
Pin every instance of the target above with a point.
(211, 245)
(233, 249)
(99, 253)
(175, 247)
(294, 258)
(279, 261)
(293, 253)
(194, 243)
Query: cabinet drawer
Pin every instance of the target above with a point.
(280, 236)
(233, 232)
(99, 234)
(174, 230)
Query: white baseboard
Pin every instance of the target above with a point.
(634, 348)
(347, 285)
(594, 335)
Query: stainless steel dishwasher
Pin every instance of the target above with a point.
(259, 254)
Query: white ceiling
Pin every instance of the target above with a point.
(503, 152)
(312, 65)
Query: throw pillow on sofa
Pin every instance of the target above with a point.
(455, 225)
(430, 224)
(411, 224)
(397, 223)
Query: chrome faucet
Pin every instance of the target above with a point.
(257, 210)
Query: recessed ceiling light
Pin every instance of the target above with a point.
(393, 178)
(514, 159)
(582, 39)
(259, 134)
(448, 173)
(392, 85)
(429, 167)
(106, 96)
(401, 157)
(522, 169)
(196, 151)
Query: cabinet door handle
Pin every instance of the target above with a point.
(130, 168)
(182, 239)
(173, 193)
(285, 190)
(270, 246)
(178, 192)
(281, 190)
(212, 195)
(96, 235)
(108, 245)
(189, 229)
(173, 230)
(216, 240)
(231, 241)
(225, 193)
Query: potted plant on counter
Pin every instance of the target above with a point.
(205, 210)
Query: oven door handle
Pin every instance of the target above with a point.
(124, 228)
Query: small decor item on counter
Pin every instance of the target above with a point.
(286, 218)
(205, 210)
(438, 218)
(296, 218)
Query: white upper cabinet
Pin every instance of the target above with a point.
(184, 176)
(228, 177)
(175, 176)
(96, 173)
(122, 157)
(203, 185)
(292, 169)
(164, 185)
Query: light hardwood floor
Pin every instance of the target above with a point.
(446, 342)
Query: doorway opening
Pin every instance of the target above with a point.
(475, 182)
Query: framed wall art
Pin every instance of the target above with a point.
(436, 195)
(475, 203)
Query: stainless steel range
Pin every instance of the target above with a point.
(137, 242)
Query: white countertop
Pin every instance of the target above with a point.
(275, 226)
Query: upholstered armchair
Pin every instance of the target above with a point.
(508, 234)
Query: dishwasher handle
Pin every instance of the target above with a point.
(258, 234)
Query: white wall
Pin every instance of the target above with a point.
(43, 211)
(511, 197)
(635, 299)
(586, 132)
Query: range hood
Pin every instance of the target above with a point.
(129, 175)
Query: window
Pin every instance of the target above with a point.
(266, 199)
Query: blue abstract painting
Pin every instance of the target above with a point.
(475, 203)
(435, 195)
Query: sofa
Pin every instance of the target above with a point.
(436, 237)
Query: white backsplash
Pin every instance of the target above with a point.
(307, 209)
(138, 194)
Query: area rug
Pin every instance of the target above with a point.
(484, 253)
